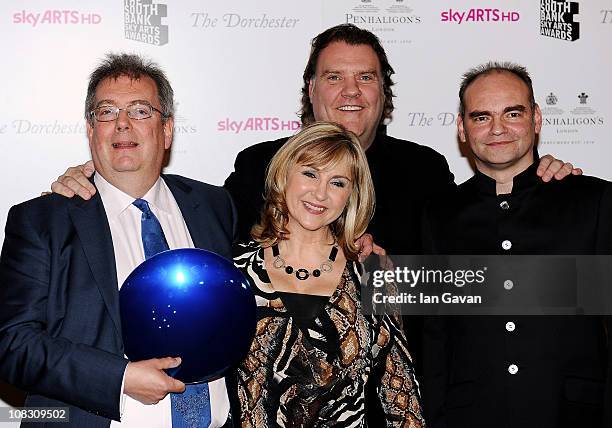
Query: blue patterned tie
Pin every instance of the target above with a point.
(190, 409)
(153, 239)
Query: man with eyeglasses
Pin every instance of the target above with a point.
(63, 261)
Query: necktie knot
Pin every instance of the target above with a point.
(143, 206)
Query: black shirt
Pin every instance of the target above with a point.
(518, 371)
(571, 216)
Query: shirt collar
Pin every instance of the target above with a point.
(117, 201)
(524, 180)
(158, 196)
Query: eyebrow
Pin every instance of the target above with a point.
(518, 107)
(357, 72)
(105, 102)
(319, 169)
(477, 113)
(342, 176)
(112, 102)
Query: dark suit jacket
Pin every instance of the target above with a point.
(563, 361)
(60, 332)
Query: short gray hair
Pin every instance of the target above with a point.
(493, 66)
(134, 67)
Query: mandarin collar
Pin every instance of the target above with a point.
(524, 180)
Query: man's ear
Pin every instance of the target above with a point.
(89, 130)
(460, 129)
(311, 85)
(90, 134)
(537, 119)
(168, 132)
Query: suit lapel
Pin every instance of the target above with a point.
(91, 224)
(189, 207)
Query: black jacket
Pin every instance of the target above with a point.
(561, 371)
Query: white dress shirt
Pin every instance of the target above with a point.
(124, 220)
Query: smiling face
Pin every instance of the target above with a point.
(129, 149)
(316, 197)
(499, 123)
(347, 89)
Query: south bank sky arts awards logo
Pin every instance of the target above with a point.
(143, 21)
(557, 19)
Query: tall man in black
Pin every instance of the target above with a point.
(508, 371)
(347, 80)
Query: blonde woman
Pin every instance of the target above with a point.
(314, 348)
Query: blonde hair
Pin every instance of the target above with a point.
(318, 145)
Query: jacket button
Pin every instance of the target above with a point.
(513, 369)
(506, 245)
(510, 326)
(508, 284)
(504, 205)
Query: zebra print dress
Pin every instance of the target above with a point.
(312, 372)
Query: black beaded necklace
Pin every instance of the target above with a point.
(301, 273)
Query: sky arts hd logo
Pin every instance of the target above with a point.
(55, 16)
(143, 21)
(259, 123)
(479, 15)
(557, 19)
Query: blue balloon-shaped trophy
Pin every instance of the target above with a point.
(188, 303)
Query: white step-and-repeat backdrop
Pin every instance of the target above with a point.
(236, 69)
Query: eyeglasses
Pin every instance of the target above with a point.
(136, 111)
